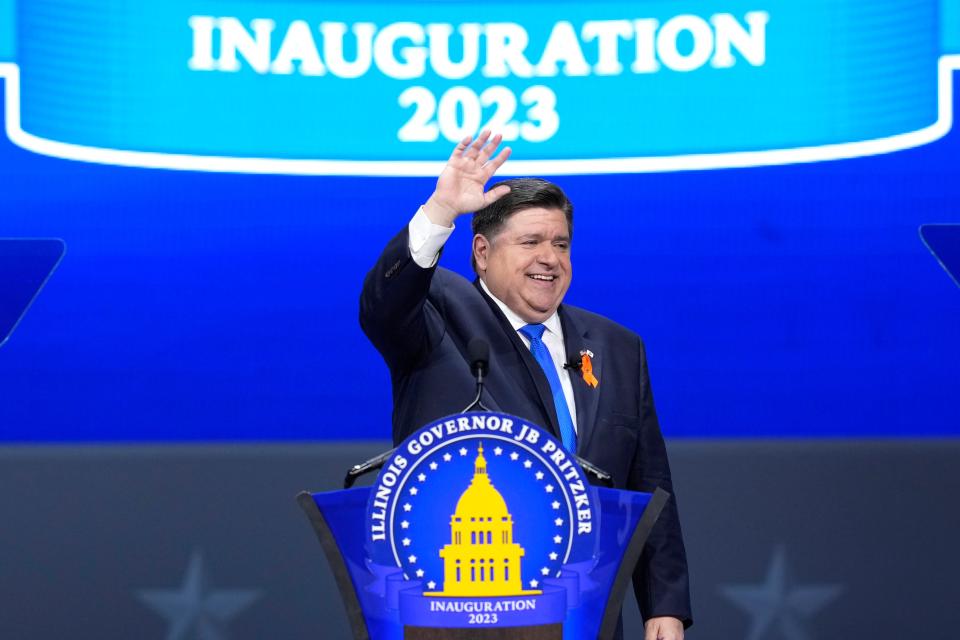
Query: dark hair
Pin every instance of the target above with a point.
(525, 193)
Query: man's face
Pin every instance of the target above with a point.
(527, 264)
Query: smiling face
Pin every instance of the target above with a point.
(527, 264)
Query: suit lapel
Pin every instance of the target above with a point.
(587, 398)
(534, 373)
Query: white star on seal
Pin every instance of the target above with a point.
(413, 491)
(558, 522)
(447, 457)
(404, 525)
(497, 451)
(514, 456)
(412, 559)
(463, 451)
(431, 585)
(549, 488)
(538, 475)
(545, 571)
(553, 555)
(527, 464)
(419, 573)
(555, 504)
(433, 466)
(534, 583)
(407, 507)
(406, 542)
(422, 477)
(557, 539)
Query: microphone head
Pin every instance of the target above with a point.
(478, 350)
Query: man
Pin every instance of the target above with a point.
(421, 318)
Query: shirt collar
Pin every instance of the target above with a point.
(552, 323)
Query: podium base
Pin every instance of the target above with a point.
(539, 632)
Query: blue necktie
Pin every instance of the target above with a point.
(542, 355)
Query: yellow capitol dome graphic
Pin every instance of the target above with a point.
(482, 559)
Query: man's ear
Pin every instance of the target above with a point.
(481, 252)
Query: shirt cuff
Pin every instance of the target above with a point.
(426, 239)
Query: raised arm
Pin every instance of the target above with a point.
(393, 310)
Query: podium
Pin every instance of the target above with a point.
(481, 526)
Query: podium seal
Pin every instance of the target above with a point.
(480, 524)
(480, 513)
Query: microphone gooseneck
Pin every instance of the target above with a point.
(478, 353)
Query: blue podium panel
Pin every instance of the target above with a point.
(943, 240)
(25, 265)
(482, 521)
(581, 592)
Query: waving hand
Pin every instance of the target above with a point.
(460, 188)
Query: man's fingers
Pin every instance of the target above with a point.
(495, 194)
(473, 151)
(651, 630)
(482, 139)
(489, 148)
(492, 166)
(458, 150)
(663, 628)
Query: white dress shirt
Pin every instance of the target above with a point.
(426, 240)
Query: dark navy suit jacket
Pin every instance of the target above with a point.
(421, 321)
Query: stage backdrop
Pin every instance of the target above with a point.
(749, 179)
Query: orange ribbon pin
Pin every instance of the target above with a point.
(586, 369)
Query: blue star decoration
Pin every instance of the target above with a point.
(195, 610)
(421, 562)
(777, 608)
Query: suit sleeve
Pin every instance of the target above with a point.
(660, 581)
(394, 312)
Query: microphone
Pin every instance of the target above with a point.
(377, 462)
(576, 365)
(478, 353)
(363, 468)
(605, 478)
